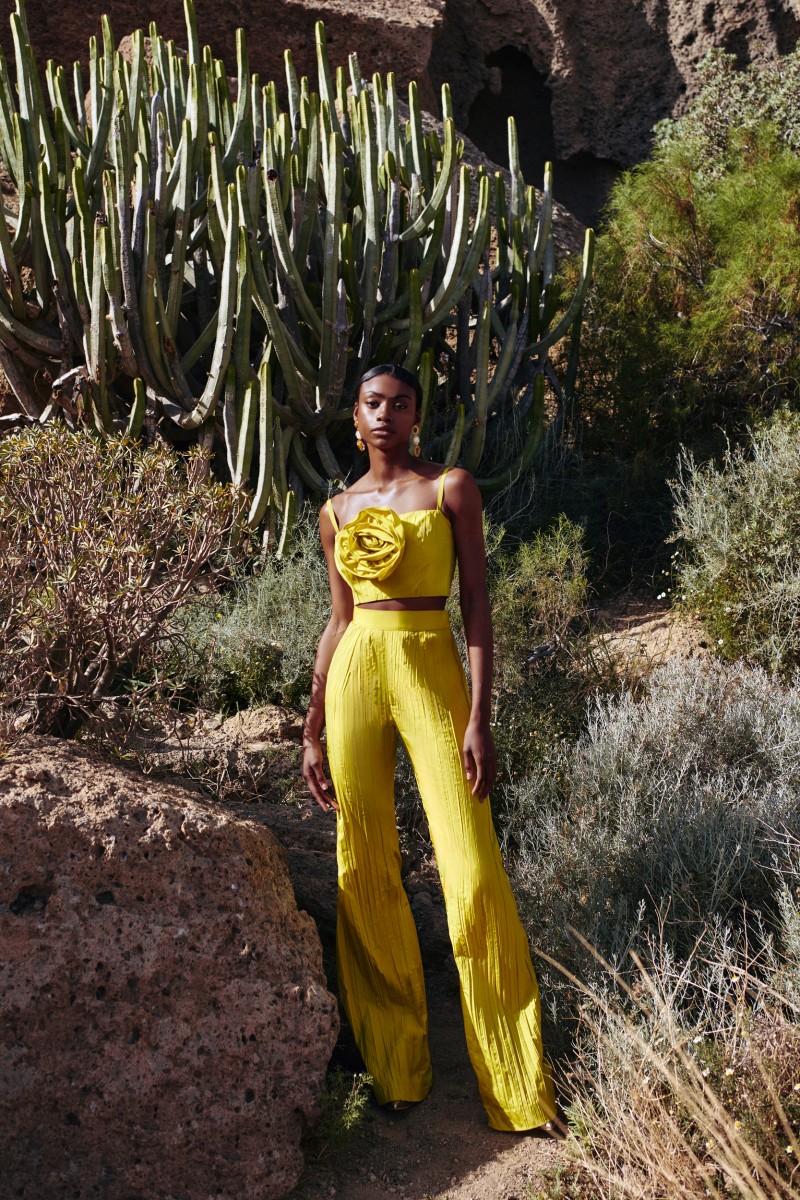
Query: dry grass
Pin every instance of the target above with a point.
(663, 1108)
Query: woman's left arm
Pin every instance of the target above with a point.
(463, 507)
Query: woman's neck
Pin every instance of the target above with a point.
(386, 468)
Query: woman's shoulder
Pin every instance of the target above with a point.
(335, 502)
(336, 505)
(459, 486)
(458, 477)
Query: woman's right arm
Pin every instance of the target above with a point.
(313, 766)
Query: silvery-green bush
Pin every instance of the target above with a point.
(673, 823)
(733, 100)
(740, 526)
(256, 643)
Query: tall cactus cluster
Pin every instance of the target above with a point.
(227, 268)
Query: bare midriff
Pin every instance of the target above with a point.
(415, 603)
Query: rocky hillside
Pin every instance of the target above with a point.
(587, 77)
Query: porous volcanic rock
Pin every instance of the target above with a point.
(394, 36)
(611, 68)
(164, 1024)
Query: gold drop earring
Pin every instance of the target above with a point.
(415, 441)
(359, 442)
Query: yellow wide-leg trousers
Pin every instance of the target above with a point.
(399, 672)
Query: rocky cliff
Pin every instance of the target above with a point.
(595, 74)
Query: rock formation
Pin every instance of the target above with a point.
(596, 74)
(164, 1024)
(612, 69)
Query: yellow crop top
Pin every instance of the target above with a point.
(385, 555)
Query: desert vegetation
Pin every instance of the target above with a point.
(182, 367)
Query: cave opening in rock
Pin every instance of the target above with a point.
(737, 43)
(786, 26)
(515, 88)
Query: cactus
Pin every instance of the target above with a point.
(226, 270)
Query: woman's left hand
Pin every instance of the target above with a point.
(480, 760)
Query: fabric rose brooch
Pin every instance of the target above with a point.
(370, 546)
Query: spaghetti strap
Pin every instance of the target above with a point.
(333, 516)
(440, 494)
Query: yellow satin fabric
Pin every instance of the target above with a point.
(399, 672)
(385, 555)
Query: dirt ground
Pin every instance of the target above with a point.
(441, 1149)
(646, 633)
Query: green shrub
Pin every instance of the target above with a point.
(100, 543)
(345, 1103)
(256, 644)
(538, 592)
(692, 325)
(740, 526)
(694, 320)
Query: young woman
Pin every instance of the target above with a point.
(387, 665)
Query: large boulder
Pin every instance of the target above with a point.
(164, 1023)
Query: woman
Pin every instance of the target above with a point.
(387, 664)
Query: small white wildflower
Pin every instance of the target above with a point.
(709, 1145)
(705, 1072)
(789, 1150)
(697, 1039)
(720, 641)
(729, 1070)
(796, 1087)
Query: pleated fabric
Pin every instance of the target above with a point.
(399, 672)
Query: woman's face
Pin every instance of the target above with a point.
(386, 411)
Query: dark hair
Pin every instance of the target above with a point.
(397, 372)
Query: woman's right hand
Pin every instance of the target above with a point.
(313, 771)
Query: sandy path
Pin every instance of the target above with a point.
(442, 1149)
